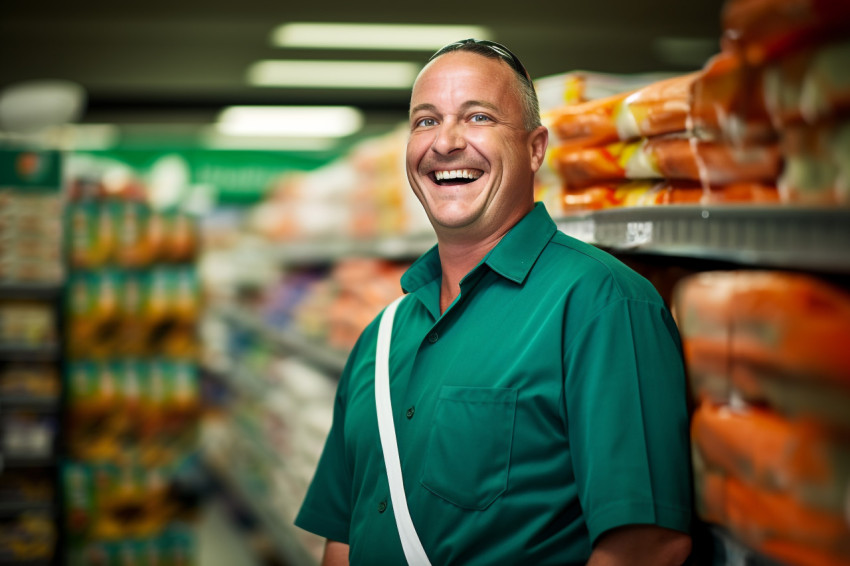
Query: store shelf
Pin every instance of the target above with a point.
(287, 341)
(38, 291)
(29, 402)
(325, 251)
(16, 353)
(8, 508)
(15, 461)
(778, 236)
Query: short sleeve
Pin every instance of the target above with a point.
(326, 510)
(627, 418)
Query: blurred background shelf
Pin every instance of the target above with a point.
(31, 402)
(40, 291)
(286, 341)
(329, 250)
(8, 508)
(21, 353)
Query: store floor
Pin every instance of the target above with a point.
(220, 542)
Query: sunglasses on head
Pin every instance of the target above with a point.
(500, 50)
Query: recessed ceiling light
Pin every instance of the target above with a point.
(414, 37)
(333, 74)
(290, 121)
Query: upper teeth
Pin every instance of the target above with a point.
(457, 174)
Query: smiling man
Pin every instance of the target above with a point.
(537, 384)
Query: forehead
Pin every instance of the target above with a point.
(461, 76)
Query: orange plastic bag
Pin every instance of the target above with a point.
(727, 102)
(672, 158)
(770, 337)
(763, 449)
(659, 108)
(773, 523)
(653, 193)
(764, 30)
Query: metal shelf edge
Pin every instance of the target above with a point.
(812, 238)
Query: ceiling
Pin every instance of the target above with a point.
(178, 62)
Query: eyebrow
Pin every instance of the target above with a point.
(465, 106)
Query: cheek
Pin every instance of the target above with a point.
(416, 148)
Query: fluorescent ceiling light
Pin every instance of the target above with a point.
(213, 139)
(413, 37)
(334, 74)
(290, 121)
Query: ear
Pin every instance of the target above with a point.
(538, 141)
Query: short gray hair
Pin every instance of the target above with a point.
(524, 85)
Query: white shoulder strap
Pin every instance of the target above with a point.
(413, 550)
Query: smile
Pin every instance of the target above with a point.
(456, 176)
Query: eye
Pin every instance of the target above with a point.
(425, 123)
(479, 118)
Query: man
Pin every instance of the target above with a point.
(537, 384)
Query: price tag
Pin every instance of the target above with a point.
(638, 233)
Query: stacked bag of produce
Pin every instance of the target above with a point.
(769, 370)
(797, 52)
(760, 122)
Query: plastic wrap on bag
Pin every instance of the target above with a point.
(774, 523)
(673, 158)
(807, 460)
(659, 108)
(817, 164)
(727, 102)
(809, 85)
(764, 30)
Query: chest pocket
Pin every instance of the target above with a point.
(469, 448)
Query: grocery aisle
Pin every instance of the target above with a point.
(149, 337)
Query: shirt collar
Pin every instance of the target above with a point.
(512, 258)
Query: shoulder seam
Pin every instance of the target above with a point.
(585, 254)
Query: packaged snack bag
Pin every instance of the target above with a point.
(774, 523)
(772, 338)
(659, 108)
(672, 158)
(134, 247)
(799, 457)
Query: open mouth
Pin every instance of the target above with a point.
(455, 177)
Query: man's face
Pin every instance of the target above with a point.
(470, 161)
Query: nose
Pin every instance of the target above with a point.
(448, 138)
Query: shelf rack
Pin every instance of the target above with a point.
(770, 236)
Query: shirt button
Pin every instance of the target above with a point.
(410, 412)
(433, 337)
(382, 506)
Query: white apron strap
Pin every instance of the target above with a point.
(413, 550)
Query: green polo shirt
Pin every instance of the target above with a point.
(544, 407)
